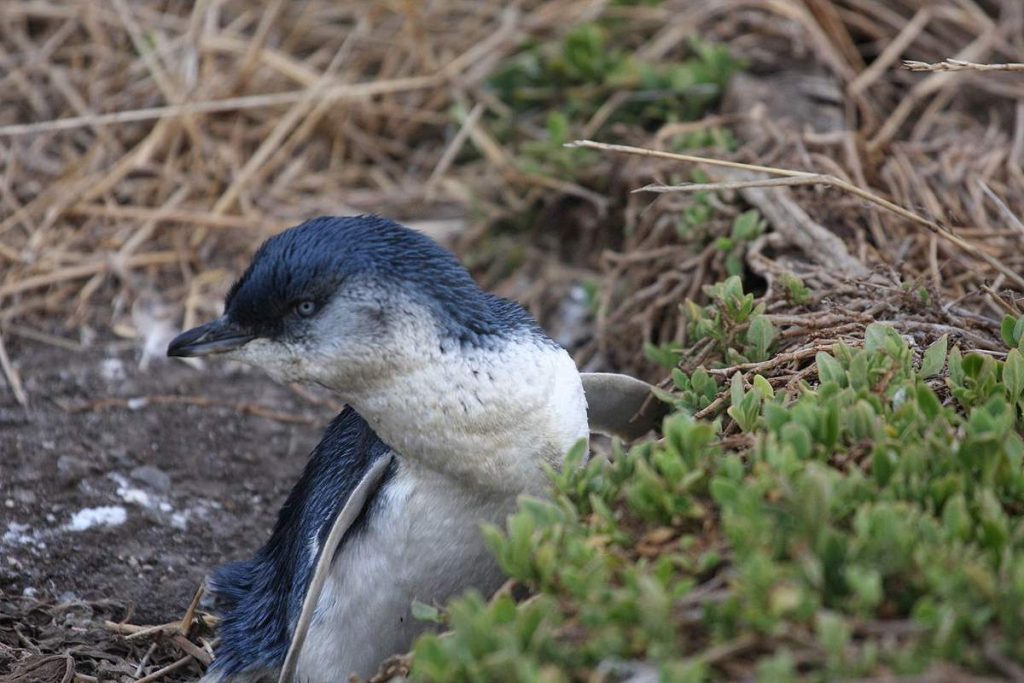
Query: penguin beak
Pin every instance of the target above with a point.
(216, 336)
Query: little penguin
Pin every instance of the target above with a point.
(457, 401)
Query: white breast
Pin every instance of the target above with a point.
(488, 418)
(473, 429)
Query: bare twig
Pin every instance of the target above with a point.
(960, 65)
(169, 669)
(13, 378)
(190, 612)
(333, 94)
(814, 179)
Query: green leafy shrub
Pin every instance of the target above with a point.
(554, 92)
(867, 526)
(737, 327)
(589, 63)
(748, 226)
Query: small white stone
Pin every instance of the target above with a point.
(136, 496)
(107, 515)
(112, 370)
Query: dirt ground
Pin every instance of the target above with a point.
(107, 497)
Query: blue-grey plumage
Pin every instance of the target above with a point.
(460, 388)
(260, 597)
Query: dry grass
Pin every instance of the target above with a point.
(146, 148)
(918, 175)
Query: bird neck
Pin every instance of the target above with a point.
(488, 417)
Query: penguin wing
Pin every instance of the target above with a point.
(352, 510)
(258, 599)
(622, 406)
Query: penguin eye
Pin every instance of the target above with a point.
(305, 308)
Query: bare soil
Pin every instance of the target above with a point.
(218, 481)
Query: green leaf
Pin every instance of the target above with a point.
(733, 264)
(833, 633)
(424, 612)
(935, 357)
(874, 337)
(558, 128)
(879, 337)
(760, 335)
(956, 370)
(746, 406)
(829, 424)
(749, 409)
(724, 492)
(736, 390)
(829, 369)
(955, 517)
(842, 353)
(1013, 446)
(747, 226)
(664, 396)
(883, 466)
(667, 355)
(797, 436)
(857, 375)
(762, 387)
(928, 402)
(775, 416)
(778, 668)
(703, 383)
(1013, 374)
(1006, 331)
(866, 584)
